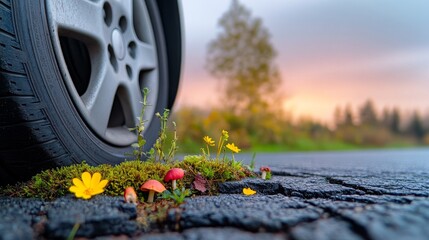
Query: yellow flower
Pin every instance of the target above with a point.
(225, 133)
(89, 186)
(233, 148)
(209, 141)
(248, 191)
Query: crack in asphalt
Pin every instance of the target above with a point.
(332, 180)
(357, 228)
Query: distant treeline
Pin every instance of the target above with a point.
(363, 127)
(369, 127)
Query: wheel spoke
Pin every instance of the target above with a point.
(150, 80)
(77, 16)
(99, 99)
(128, 8)
(134, 106)
(146, 58)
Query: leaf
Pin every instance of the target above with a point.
(142, 142)
(134, 145)
(166, 194)
(200, 183)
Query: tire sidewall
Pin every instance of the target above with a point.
(49, 86)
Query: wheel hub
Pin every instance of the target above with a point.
(118, 43)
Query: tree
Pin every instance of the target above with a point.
(395, 121)
(386, 118)
(416, 126)
(243, 57)
(348, 116)
(367, 114)
(343, 119)
(338, 117)
(391, 120)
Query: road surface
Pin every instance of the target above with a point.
(326, 195)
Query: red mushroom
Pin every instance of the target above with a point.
(152, 186)
(173, 175)
(130, 195)
(264, 171)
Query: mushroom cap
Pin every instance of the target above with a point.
(266, 169)
(129, 190)
(130, 195)
(174, 174)
(153, 185)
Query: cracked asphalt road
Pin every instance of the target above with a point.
(316, 201)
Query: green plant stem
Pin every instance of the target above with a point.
(73, 231)
(219, 147)
(138, 152)
(174, 147)
(224, 155)
(160, 142)
(208, 151)
(252, 163)
(204, 153)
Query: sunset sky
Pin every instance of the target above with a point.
(330, 52)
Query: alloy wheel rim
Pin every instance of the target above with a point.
(122, 52)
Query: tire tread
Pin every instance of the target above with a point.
(27, 141)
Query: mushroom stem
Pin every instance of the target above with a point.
(264, 175)
(174, 185)
(150, 197)
(130, 195)
(131, 199)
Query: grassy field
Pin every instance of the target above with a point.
(300, 145)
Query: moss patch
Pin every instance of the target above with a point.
(54, 183)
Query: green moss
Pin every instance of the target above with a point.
(213, 171)
(54, 183)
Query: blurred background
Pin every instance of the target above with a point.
(303, 75)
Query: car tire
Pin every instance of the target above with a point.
(72, 73)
